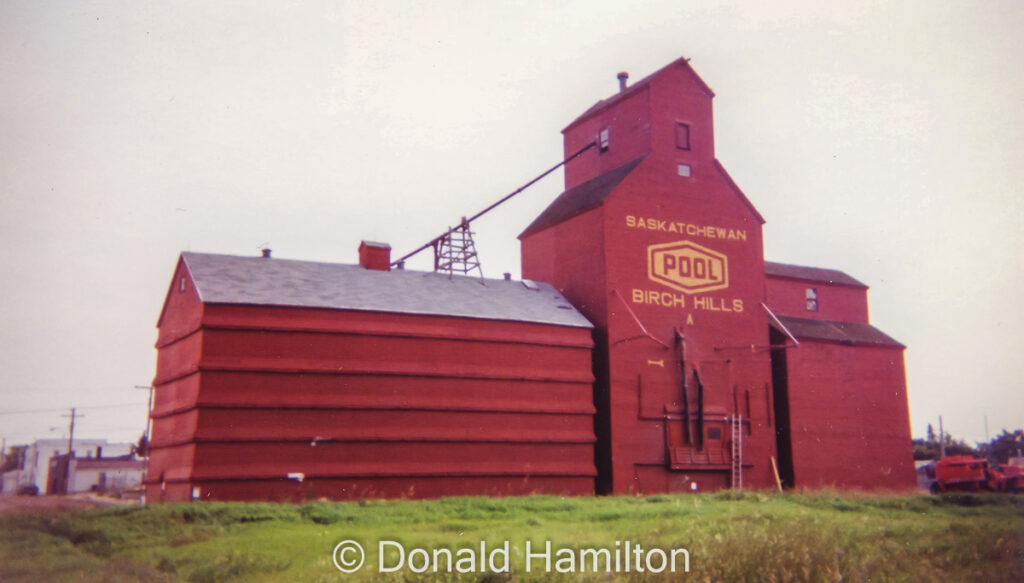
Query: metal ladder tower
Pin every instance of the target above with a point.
(737, 452)
(455, 252)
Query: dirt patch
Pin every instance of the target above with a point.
(57, 503)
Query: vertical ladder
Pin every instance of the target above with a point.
(737, 452)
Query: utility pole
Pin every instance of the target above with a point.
(71, 450)
(149, 413)
(942, 440)
(71, 434)
(149, 417)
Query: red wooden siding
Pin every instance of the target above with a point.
(849, 420)
(639, 389)
(369, 404)
(839, 303)
(596, 243)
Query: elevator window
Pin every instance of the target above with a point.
(682, 135)
(812, 299)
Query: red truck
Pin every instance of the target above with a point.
(963, 473)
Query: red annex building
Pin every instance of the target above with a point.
(662, 353)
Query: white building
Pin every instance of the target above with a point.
(105, 474)
(36, 464)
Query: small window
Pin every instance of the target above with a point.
(181, 284)
(811, 296)
(603, 139)
(682, 135)
(684, 170)
(714, 433)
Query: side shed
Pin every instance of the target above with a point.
(280, 379)
(841, 395)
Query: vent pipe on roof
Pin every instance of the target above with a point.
(623, 76)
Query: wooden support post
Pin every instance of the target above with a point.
(775, 470)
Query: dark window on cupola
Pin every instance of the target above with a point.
(682, 135)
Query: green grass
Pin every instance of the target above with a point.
(729, 536)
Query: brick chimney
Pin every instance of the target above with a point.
(375, 255)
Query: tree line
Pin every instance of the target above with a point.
(999, 450)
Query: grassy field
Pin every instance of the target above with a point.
(729, 537)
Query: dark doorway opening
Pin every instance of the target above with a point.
(780, 396)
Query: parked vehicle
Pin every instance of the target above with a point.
(1013, 477)
(962, 473)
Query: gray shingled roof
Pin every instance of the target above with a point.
(228, 279)
(810, 274)
(582, 197)
(840, 332)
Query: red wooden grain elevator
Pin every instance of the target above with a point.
(663, 354)
(699, 385)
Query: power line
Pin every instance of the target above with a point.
(59, 409)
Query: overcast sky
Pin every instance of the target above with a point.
(880, 138)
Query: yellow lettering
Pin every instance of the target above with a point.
(672, 300)
(653, 298)
(689, 319)
(667, 226)
(716, 305)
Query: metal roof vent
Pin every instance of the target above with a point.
(623, 76)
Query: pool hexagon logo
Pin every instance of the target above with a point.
(687, 267)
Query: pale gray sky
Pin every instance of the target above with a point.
(880, 138)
